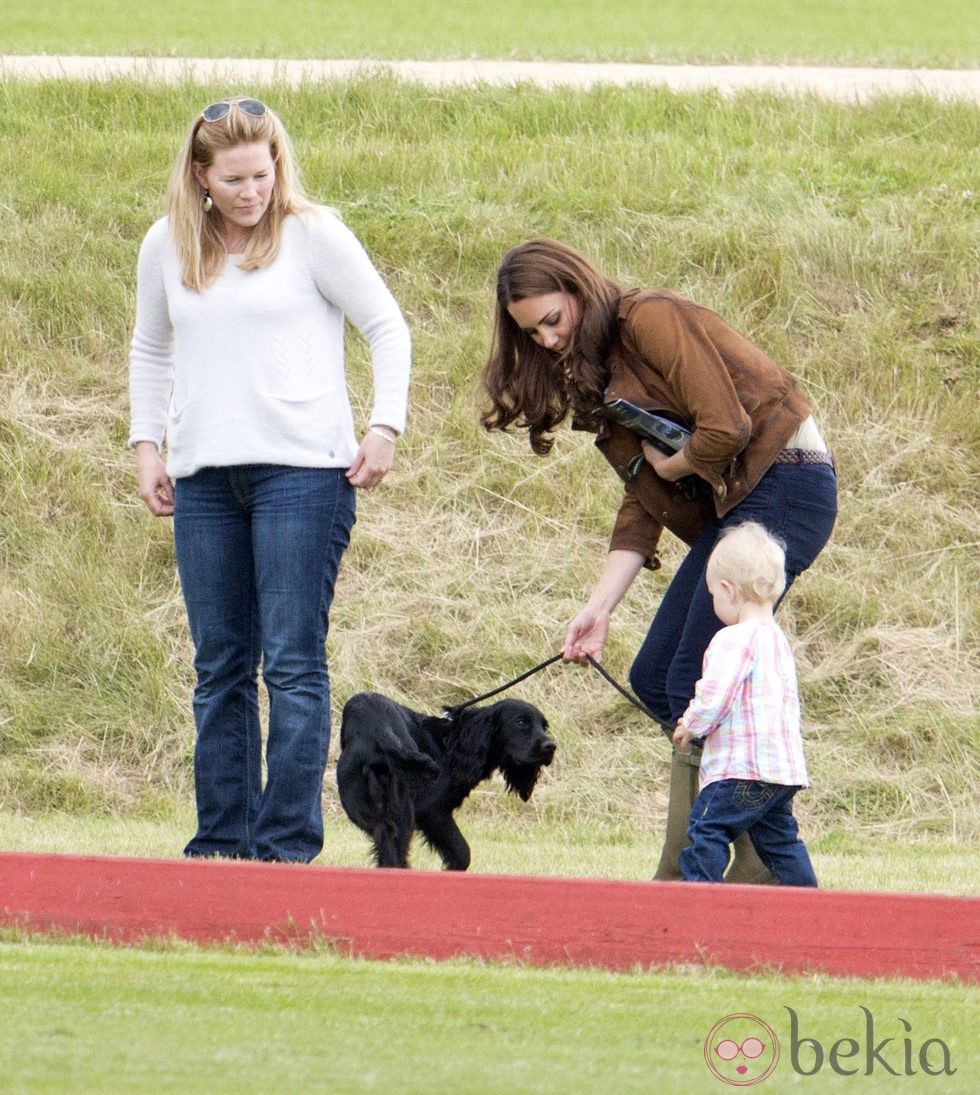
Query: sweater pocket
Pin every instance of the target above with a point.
(291, 370)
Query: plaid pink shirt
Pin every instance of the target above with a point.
(747, 707)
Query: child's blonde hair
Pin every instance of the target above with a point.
(752, 559)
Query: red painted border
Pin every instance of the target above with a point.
(542, 921)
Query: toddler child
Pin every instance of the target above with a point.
(746, 708)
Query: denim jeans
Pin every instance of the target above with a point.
(796, 502)
(729, 807)
(258, 549)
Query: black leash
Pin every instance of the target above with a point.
(634, 700)
(509, 684)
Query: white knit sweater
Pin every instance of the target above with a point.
(251, 371)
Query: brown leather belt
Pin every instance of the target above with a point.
(804, 456)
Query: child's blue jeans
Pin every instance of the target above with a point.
(729, 807)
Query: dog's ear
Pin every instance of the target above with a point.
(521, 778)
(469, 744)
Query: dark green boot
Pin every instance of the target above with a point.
(746, 868)
(683, 791)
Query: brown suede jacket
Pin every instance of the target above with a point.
(681, 360)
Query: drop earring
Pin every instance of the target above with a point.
(207, 205)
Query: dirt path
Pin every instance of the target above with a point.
(841, 84)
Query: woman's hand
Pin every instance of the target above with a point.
(373, 460)
(669, 468)
(587, 633)
(155, 486)
(586, 636)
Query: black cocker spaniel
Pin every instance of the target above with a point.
(400, 770)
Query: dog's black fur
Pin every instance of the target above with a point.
(400, 770)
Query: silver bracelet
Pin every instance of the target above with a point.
(382, 431)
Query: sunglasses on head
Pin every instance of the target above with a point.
(216, 111)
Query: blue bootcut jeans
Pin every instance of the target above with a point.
(797, 503)
(258, 550)
(729, 807)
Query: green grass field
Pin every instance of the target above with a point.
(844, 238)
(833, 32)
(178, 1020)
(528, 845)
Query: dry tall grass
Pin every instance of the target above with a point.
(843, 239)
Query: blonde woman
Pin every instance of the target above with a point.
(244, 433)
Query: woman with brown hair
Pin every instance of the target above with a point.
(567, 341)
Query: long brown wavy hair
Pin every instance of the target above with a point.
(527, 384)
(199, 245)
